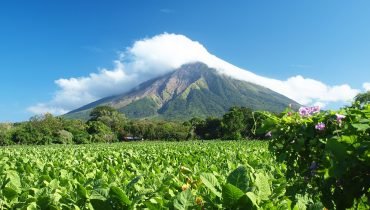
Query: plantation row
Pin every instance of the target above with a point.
(185, 175)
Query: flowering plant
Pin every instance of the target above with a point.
(320, 126)
(326, 150)
(308, 111)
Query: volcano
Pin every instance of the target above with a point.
(193, 90)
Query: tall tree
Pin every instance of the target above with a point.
(237, 123)
(40, 129)
(109, 116)
(233, 124)
(100, 132)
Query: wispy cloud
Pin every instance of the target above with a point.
(151, 57)
(42, 108)
(366, 86)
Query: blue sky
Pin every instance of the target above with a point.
(43, 41)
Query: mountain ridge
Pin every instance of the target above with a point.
(192, 90)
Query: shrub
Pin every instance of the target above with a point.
(63, 137)
(328, 151)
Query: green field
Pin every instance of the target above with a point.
(138, 175)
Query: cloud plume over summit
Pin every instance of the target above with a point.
(152, 57)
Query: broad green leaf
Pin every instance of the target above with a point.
(231, 195)
(249, 201)
(75, 207)
(361, 127)
(263, 186)
(302, 202)
(133, 182)
(211, 182)
(118, 198)
(99, 193)
(348, 139)
(45, 178)
(81, 191)
(239, 178)
(100, 204)
(43, 202)
(184, 200)
(10, 193)
(32, 206)
(337, 148)
(54, 184)
(55, 197)
(364, 120)
(14, 181)
(63, 174)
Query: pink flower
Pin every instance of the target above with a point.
(304, 111)
(307, 111)
(340, 117)
(314, 109)
(320, 126)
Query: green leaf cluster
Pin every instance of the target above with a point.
(334, 161)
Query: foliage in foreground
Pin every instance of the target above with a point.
(185, 175)
(328, 151)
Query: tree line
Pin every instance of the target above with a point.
(108, 125)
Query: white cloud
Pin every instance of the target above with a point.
(41, 108)
(151, 57)
(75, 92)
(322, 105)
(366, 86)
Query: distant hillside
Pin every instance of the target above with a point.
(192, 90)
